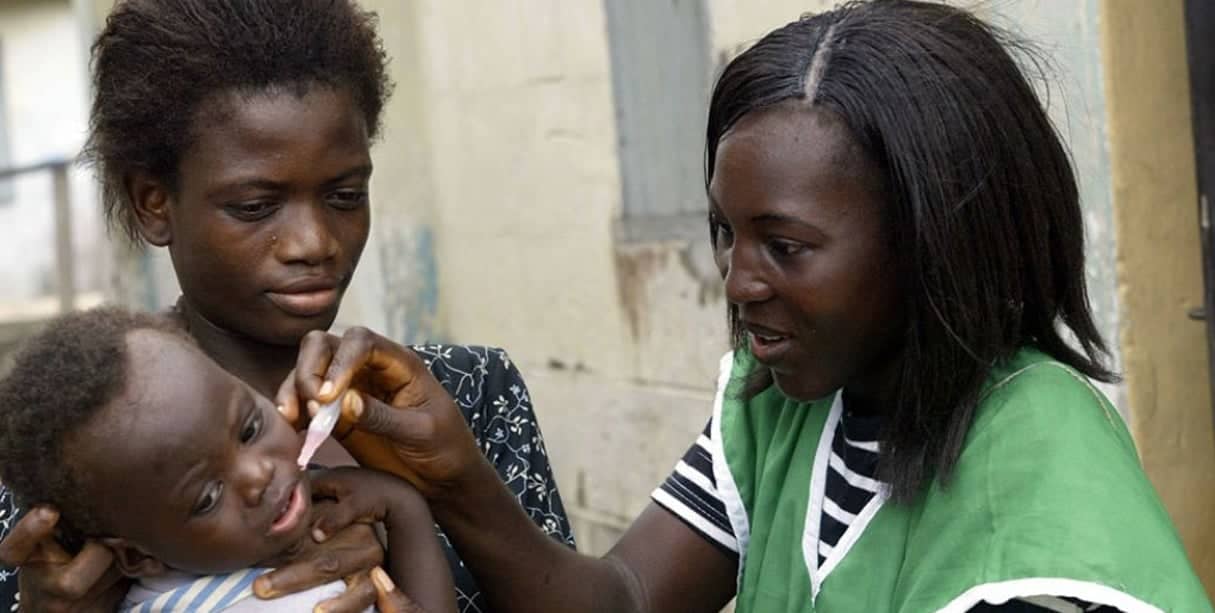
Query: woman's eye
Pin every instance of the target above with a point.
(785, 248)
(252, 427)
(721, 234)
(209, 499)
(348, 200)
(250, 211)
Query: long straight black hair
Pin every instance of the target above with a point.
(979, 194)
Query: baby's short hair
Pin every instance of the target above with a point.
(61, 379)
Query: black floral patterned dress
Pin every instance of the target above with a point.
(494, 400)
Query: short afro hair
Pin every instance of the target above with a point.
(158, 61)
(62, 378)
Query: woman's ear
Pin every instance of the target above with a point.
(150, 199)
(133, 561)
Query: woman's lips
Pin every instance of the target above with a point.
(768, 345)
(305, 303)
(769, 349)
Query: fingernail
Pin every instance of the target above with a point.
(381, 580)
(318, 535)
(320, 608)
(313, 407)
(263, 589)
(282, 410)
(356, 405)
(326, 389)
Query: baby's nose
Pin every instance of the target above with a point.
(256, 474)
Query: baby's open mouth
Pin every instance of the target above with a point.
(291, 513)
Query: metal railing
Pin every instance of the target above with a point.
(65, 268)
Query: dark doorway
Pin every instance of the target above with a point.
(1200, 50)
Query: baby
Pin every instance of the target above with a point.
(145, 444)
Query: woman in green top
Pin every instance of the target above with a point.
(902, 425)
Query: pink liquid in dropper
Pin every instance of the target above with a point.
(318, 430)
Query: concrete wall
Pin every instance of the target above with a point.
(45, 112)
(526, 191)
(396, 287)
(1159, 265)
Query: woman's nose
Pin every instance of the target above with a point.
(744, 280)
(305, 236)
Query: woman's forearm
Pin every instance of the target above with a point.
(516, 565)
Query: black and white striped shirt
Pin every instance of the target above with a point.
(851, 478)
(690, 493)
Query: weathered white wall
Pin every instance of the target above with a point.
(396, 287)
(523, 191)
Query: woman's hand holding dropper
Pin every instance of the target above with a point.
(389, 392)
(406, 424)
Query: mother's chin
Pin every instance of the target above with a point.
(801, 388)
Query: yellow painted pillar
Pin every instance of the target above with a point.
(1159, 262)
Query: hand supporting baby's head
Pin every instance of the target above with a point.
(141, 440)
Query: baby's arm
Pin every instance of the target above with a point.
(416, 560)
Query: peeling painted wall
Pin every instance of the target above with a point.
(526, 190)
(396, 288)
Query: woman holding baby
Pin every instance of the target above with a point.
(237, 135)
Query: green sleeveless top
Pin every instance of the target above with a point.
(1048, 498)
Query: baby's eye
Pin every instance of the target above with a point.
(252, 427)
(209, 498)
